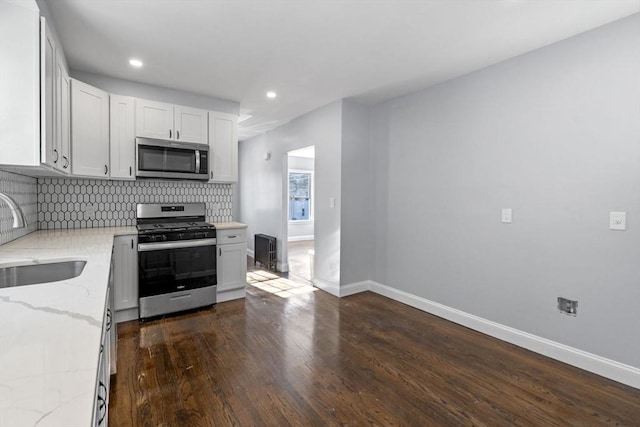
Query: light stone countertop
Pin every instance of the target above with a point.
(50, 333)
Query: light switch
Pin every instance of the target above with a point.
(617, 221)
(332, 202)
(506, 215)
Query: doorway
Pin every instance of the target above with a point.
(300, 213)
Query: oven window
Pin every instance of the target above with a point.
(172, 270)
(166, 159)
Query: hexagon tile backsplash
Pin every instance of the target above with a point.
(87, 203)
(24, 191)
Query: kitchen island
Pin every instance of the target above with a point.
(50, 333)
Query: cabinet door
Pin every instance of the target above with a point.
(19, 84)
(125, 274)
(63, 117)
(154, 119)
(122, 136)
(232, 266)
(190, 124)
(89, 130)
(223, 147)
(48, 153)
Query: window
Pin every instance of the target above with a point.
(300, 195)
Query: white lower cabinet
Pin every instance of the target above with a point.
(103, 376)
(125, 261)
(231, 264)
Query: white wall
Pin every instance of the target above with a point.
(263, 198)
(553, 134)
(301, 230)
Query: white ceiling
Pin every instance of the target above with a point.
(311, 52)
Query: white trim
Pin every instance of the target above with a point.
(251, 253)
(356, 288)
(599, 365)
(282, 267)
(126, 315)
(326, 286)
(299, 238)
(230, 295)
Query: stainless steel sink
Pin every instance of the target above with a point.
(31, 274)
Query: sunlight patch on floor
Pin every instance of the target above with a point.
(277, 285)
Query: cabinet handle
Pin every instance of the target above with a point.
(177, 134)
(220, 250)
(106, 169)
(129, 170)
(169, 133)
(57, 155)
(109, 320)
(66, 160)
(211, 173)
(131, 243)
(231, 237)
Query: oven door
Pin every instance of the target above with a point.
(170, 267)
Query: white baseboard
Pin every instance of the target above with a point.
(126, 315)
(299, 238)
(607, 368)
(355, 288)
(282, 267)
(231, 295)
(251, 253)
(331, 288)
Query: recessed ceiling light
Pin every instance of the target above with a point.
(271, 94)
(135, 63)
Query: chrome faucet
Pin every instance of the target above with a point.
(18, 216)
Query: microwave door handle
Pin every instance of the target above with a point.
(197, 161)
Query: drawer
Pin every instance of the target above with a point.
(231, 235)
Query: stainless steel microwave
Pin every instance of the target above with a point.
(157, 158)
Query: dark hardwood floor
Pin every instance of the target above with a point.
(314, 359)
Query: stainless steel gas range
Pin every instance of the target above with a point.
(176, 258)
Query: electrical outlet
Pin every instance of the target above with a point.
(507, 215)
(617, 221)
(215, 208)
(567, 306)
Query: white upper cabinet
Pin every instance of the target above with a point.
(20, 84)
(48, 152)
(172, 122)
(223, 147)
(154, 119)
(89, 130)
(122, 137)
(190, 124)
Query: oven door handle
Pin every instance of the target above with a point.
(146, 247)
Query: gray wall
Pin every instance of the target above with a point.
(553, 134)
(357, 246)
(156, 93)
(262, 184)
